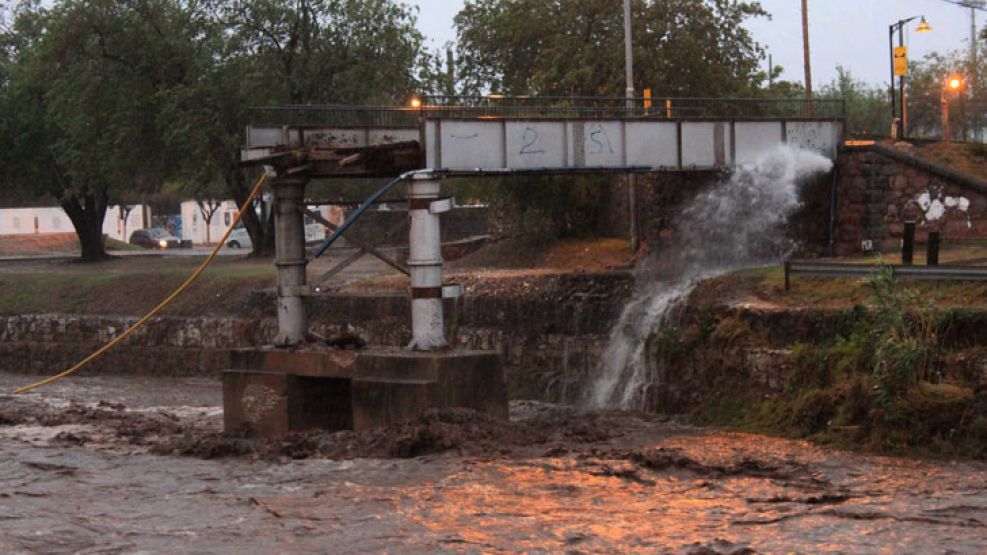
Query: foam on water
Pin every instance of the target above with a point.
(737, 223)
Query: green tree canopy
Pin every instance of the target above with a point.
(273, 52)
(84, 100)
(101, 99)
(868, 108)
(567, 47)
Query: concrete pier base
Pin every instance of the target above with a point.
(275, 391)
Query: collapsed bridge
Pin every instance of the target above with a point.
(421, 145)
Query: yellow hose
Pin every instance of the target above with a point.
(181, 289)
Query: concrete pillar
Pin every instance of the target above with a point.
(425, 263)
(289, 246)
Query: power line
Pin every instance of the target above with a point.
(972, 4)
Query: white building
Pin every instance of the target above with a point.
(52, 219)
(194, 226)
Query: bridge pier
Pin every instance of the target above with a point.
(425, 262)
(289, 247)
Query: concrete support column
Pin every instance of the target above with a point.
(425, 263)
(289, 245)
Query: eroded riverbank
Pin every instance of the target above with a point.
(80, 475)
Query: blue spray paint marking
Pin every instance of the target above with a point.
(605, 144)
(530, 137)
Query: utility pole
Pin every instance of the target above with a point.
(450, 73)
(629, 78)
(973, 81)
(973, 39)
(771, 72)
(805, 50)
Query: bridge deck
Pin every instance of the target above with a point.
(354, 141)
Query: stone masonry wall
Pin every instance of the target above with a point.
(551, 333)
(877, 194)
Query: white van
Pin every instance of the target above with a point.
(239, 238)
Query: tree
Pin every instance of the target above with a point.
(85, 99)
(926, 79)
(101, 97)
(561, 47)
(272, 52)
(867, 108)
(208, 210)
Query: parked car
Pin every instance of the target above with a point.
(239, 238)
(156, 238)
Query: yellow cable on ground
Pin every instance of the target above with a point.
(191, 279)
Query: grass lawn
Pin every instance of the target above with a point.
(130, 286)
(766, 286)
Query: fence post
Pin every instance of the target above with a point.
(908, 244)
(932, 249)
(788, 273)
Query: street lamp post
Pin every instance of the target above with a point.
(953, 84)
(902, 111)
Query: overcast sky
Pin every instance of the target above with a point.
(851, 33)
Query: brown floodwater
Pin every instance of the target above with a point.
(78, 473)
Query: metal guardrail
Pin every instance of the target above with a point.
(521, 107)
(843, 270)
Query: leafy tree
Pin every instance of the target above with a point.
(84, 103)
(354, 51)
(272, 52)
(868, 109)
(562, 47)
(99, 98)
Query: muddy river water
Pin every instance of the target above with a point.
(79, 473)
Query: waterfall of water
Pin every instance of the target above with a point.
(737, 223)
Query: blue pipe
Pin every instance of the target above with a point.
(360, 210)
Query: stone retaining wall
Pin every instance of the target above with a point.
(551, 337)
(877, 194)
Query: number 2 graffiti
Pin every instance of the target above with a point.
(530, 139)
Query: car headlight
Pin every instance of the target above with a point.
(163, 244)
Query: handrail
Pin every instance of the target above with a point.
(842, 269)
(549, 106)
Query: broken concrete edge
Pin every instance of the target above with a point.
(279, 391)
(939, 170)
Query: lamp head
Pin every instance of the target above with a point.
(923, 26)
(415, 102)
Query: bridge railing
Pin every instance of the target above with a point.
(332, 115)
(520, 107)
(640, 107)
